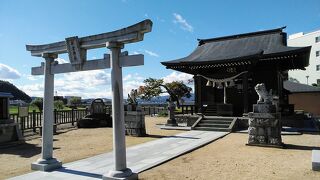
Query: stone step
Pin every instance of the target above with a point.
(218, 117)
(213, 125)
(215, 121)
(210, 114)
(212, 129)
(222, 120)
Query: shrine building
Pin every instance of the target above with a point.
(226, 69)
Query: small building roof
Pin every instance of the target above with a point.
(299, 88)
(5, 94)
(238, 49)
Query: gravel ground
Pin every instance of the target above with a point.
(226, 158)
(71, 145)
(230, 158)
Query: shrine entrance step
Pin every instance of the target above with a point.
(216, 123)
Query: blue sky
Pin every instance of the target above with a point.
(176, 26)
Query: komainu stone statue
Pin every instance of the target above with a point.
(264, 122)
(132, 97)
(264, 95)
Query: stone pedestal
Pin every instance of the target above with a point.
(9, 131)
(135, 123)
(125, 174)
(46, 164)
(264, 126)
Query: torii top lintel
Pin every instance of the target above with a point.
(126, 35)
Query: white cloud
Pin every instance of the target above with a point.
(61, 61)
(7, 72)
(150, 53)
(32, 78)
(33, 89)
(178, 19)
(131, 81)
(87, 84)
(175, 76)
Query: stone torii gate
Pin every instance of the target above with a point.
(77, 51)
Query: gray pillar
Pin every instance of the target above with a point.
(47, 162)
(119, 144)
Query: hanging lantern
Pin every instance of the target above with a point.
(219, 85)
(209, 83)
(213, 84)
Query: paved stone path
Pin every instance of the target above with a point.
(139, 157)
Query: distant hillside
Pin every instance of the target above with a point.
(6, 86)
(163, 100)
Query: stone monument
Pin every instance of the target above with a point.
(9, 130)
(98, 116)
(264, 122)
(134, 117)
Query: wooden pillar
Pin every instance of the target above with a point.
(245, 92)
(224, 94)
(198, 94)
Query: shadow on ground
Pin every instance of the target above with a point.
(161, 136)
(80, 173)
(25, 150)
(299, 147)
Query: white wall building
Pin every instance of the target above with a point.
(312, 73)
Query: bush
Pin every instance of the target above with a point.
(38, 102)
(163, 113)
(58, 104)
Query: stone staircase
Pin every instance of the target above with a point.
(211, 110)
(215, 123)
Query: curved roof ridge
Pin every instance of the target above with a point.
(277, 30)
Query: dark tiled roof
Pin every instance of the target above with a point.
(4, 94)
(236, 47)
(297, 87)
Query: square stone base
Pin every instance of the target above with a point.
(133, 176)
(316, 160)
(46, 165)
(171, 122)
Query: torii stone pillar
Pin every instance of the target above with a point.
(47, 162)
(119, 144)
(77, 50)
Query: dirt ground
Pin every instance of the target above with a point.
(72, 145)
(226, 158)
(230, 158)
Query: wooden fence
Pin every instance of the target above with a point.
(34, 119)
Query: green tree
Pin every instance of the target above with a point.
(37, 102)
(75, 101)
(58, 104)
(176, 89)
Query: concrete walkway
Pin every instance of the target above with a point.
(139, 158)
